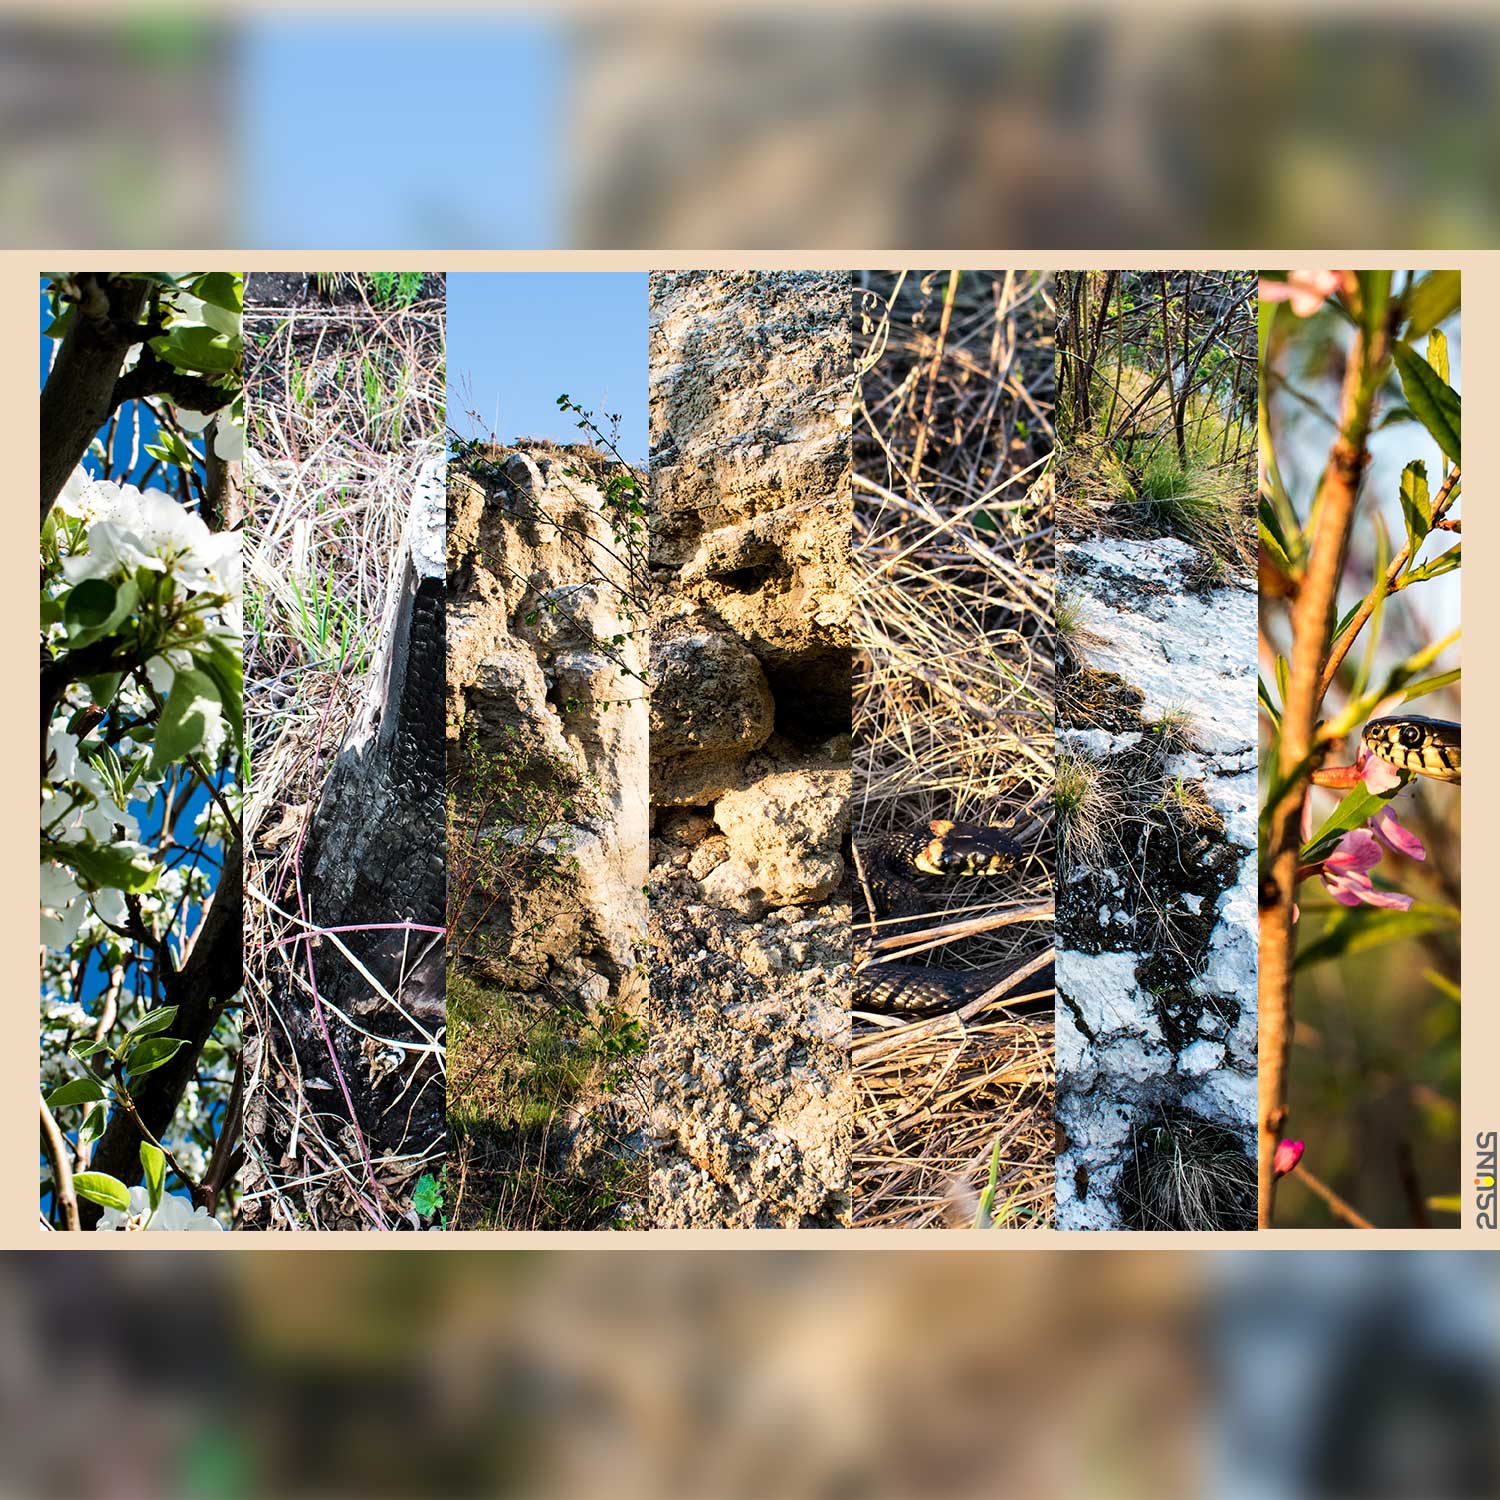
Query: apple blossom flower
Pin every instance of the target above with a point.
(1288, 1154)
(172, 1213)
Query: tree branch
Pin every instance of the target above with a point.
(1313, 619)
(155, 377)
(79, 394)
(210, 976)
(62, 1174)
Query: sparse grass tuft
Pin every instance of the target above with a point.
(1185, 1173)
(1175, 729)
(1089, 805)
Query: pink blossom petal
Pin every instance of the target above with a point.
(1358, 851)
(1379, 775)
(1396, 838)
(1288, 1154)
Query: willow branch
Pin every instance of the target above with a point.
(1444, 498)
(1313, 620)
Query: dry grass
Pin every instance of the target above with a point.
(328, 493)
(954, 687)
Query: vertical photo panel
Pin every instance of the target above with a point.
(546, 725)
(142, 750)
(1156, 750)
(751, 379)
(952, 1047)
(345, 658)
(1360, 756)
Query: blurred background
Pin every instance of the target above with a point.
(749, 1374)
(1049, 126)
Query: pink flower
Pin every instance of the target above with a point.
(1346, 873)
(1288, 1154)
(1397, 839)
(1305, 290)
(1378, 775)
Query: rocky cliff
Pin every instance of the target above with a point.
(546, 724)
(751, 383)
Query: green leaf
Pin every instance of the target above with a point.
(1353, 812)
(1271, 539)
(173, 450)
(154, 1165)
(1268, 704)
(1416, 506)
(1374, 298)
(192, 711)
(146, 1057)
(154, 1021)
(224, 289)
(61, 323)
(1444, 562)
(102, 865)
(85, 1050)
(101, 1188)
(226, 666)
(1434, 298)
(427, 1199)
(102, 689)
(1356, 929)
(1437, 355)
(1435, 402)
(93, 1125)
(1432, 684)
(76, 1091)
(95, 608)
(199, 349)
(1283, 677)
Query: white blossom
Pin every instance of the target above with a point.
(173, 1213)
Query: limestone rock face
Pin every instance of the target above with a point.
(1157, 985)
(751, 382)
(544, 669)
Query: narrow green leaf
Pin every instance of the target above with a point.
(1353, 812)
(101, 1188)
(1435, 402)
(154, 1165)
(1437, 355)
(1283, 677)
(1357, 929)
(1444, 562)
(1267, 704)
(1434, 298)
(1416, 507)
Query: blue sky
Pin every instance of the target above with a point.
(518, 340)
(399, 132)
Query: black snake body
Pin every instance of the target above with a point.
(939, 848)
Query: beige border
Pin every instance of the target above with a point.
(19, 882)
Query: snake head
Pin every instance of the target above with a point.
(965, 849)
